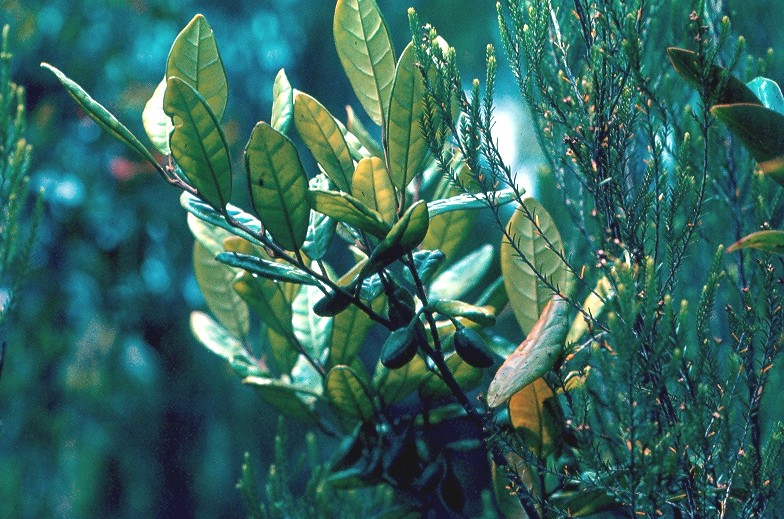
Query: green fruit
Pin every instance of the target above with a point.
(470, 346)
(400, 347)
(331, 304)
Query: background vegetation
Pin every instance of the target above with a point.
(108, 407)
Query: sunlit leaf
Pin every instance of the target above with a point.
(533, 416)
(760, 129)
(449, 231)
(404, 236)
(282, 103)
(593, 305)
(286, 397)
(535, 356)
(768, 92)
(266, 268)
(313, 331)
(346, 391)
(768, 241)
(198, 144)
(527, 294)
(463, 275)
(687, 64)
(321, 228)
(469, 201)
(371, 185)
(194, 58)
(347, 209)
(406, 145)
(157, 124)
(206, 213)
(365, 50)
(216, 283)
(483, 316)
(323, 137)
(278, 186)
(283, 350)
(355, 126)
(101, 115)
(214, 337)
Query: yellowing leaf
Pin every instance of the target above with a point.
(347, 209)
(346, 391)
(768, 241)
(404, 236)
(372, 186)
(530, 410)
(535, 356)
(282, 103)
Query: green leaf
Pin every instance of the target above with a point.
(278, 186)
(527, 295)
(470, 201)
(321, 228)
(405, 143)
(372, 186)
(349, 329)
(323, 137)
(157, 124)
(768, 241)
(355, 126)
(208, 235)
(349, 210)
(449, 231)
(760, 129)
(283, 350)
(282, 103)
(194, 58)
(101, 115)
(426, 263)
(768, 92)
(535, 356)
(216, 283)
(266, 269)
(686, 63)
(483, 316)
(215, 337)
(313, 331)
(206, 213)
(393, 385)
(467, 376)
(285, 397)
(346, 391)
(404, 236)
(197, 143)
(365, 50)
(463, 275)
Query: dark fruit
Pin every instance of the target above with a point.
(470, 346)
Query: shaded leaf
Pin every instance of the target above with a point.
(355, 126)
(686, 63)
(194, 58)
(214, 337)
(404, 236)
(535, 356)
(346, 391)
(321, 228)
(285, 397)
(529, 410)
(463, 275)
(768, 92)
(216, 283)
(321, 134)
(365, 49)
(278, 186)
(768, 241)
(395, 385)
(470, 347)
(527, 294)
(760, 129)
(349, 329)
(371, 185)
(470, 201)
(266, 268)
(467, 376)
(197, 143)
(426, 264)
(282, 103)
(349, 210)
(313, 331)
(283, 350)
(156, 123)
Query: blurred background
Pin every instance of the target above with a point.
(108, 406)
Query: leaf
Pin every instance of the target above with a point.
(527, 294)
(355, 126)
(686, 63)
(194, 58)
(371, 185)
(593, 305)
(214, 337)
(282, 103)
(349, 329)
(426, 264)
(395, 385)
(101, 115)
(470, 201)
(285, 397)
(283, 350)
(266, 268)
(467, 376)
(760, 129)
(768, 92)
(215, 281)
(404, 236)
(483, 316)
(206, 213)
(321, 228)
(449, 231)
(208, 235)
(535, 356)
(323, 137)
(463, 275)
(157, 124)
(313, 331)
(365, 50)
(530, 410)
(349, 210)
(197, 143)
(768, 241)
(348, 394)
(278, 186)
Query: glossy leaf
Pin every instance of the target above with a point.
(426, 264)
(208, 235)
(407, 148)
(206, 213)
(278, 186)
(266, 268)
(483, 316)
(349, 210)
(760, 129)
(216, 283)
(371, 185)
(197, 143)
(535, 356)
(313, 331)
(355, 126)
(102, 116)
(282, 103)
(346, 391)
(323, 137)
(470, 201)
(774, 168)
(285, 397)
(530, 411)
(686, 63)
(404, 236)
(463, 275)
(768, 241)
(321, 228)
(768, 92)
(194, 58)
(365, 50)
(356, 149)
(450, 231)
(527, 294)
(157, 124)
(214, 337)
